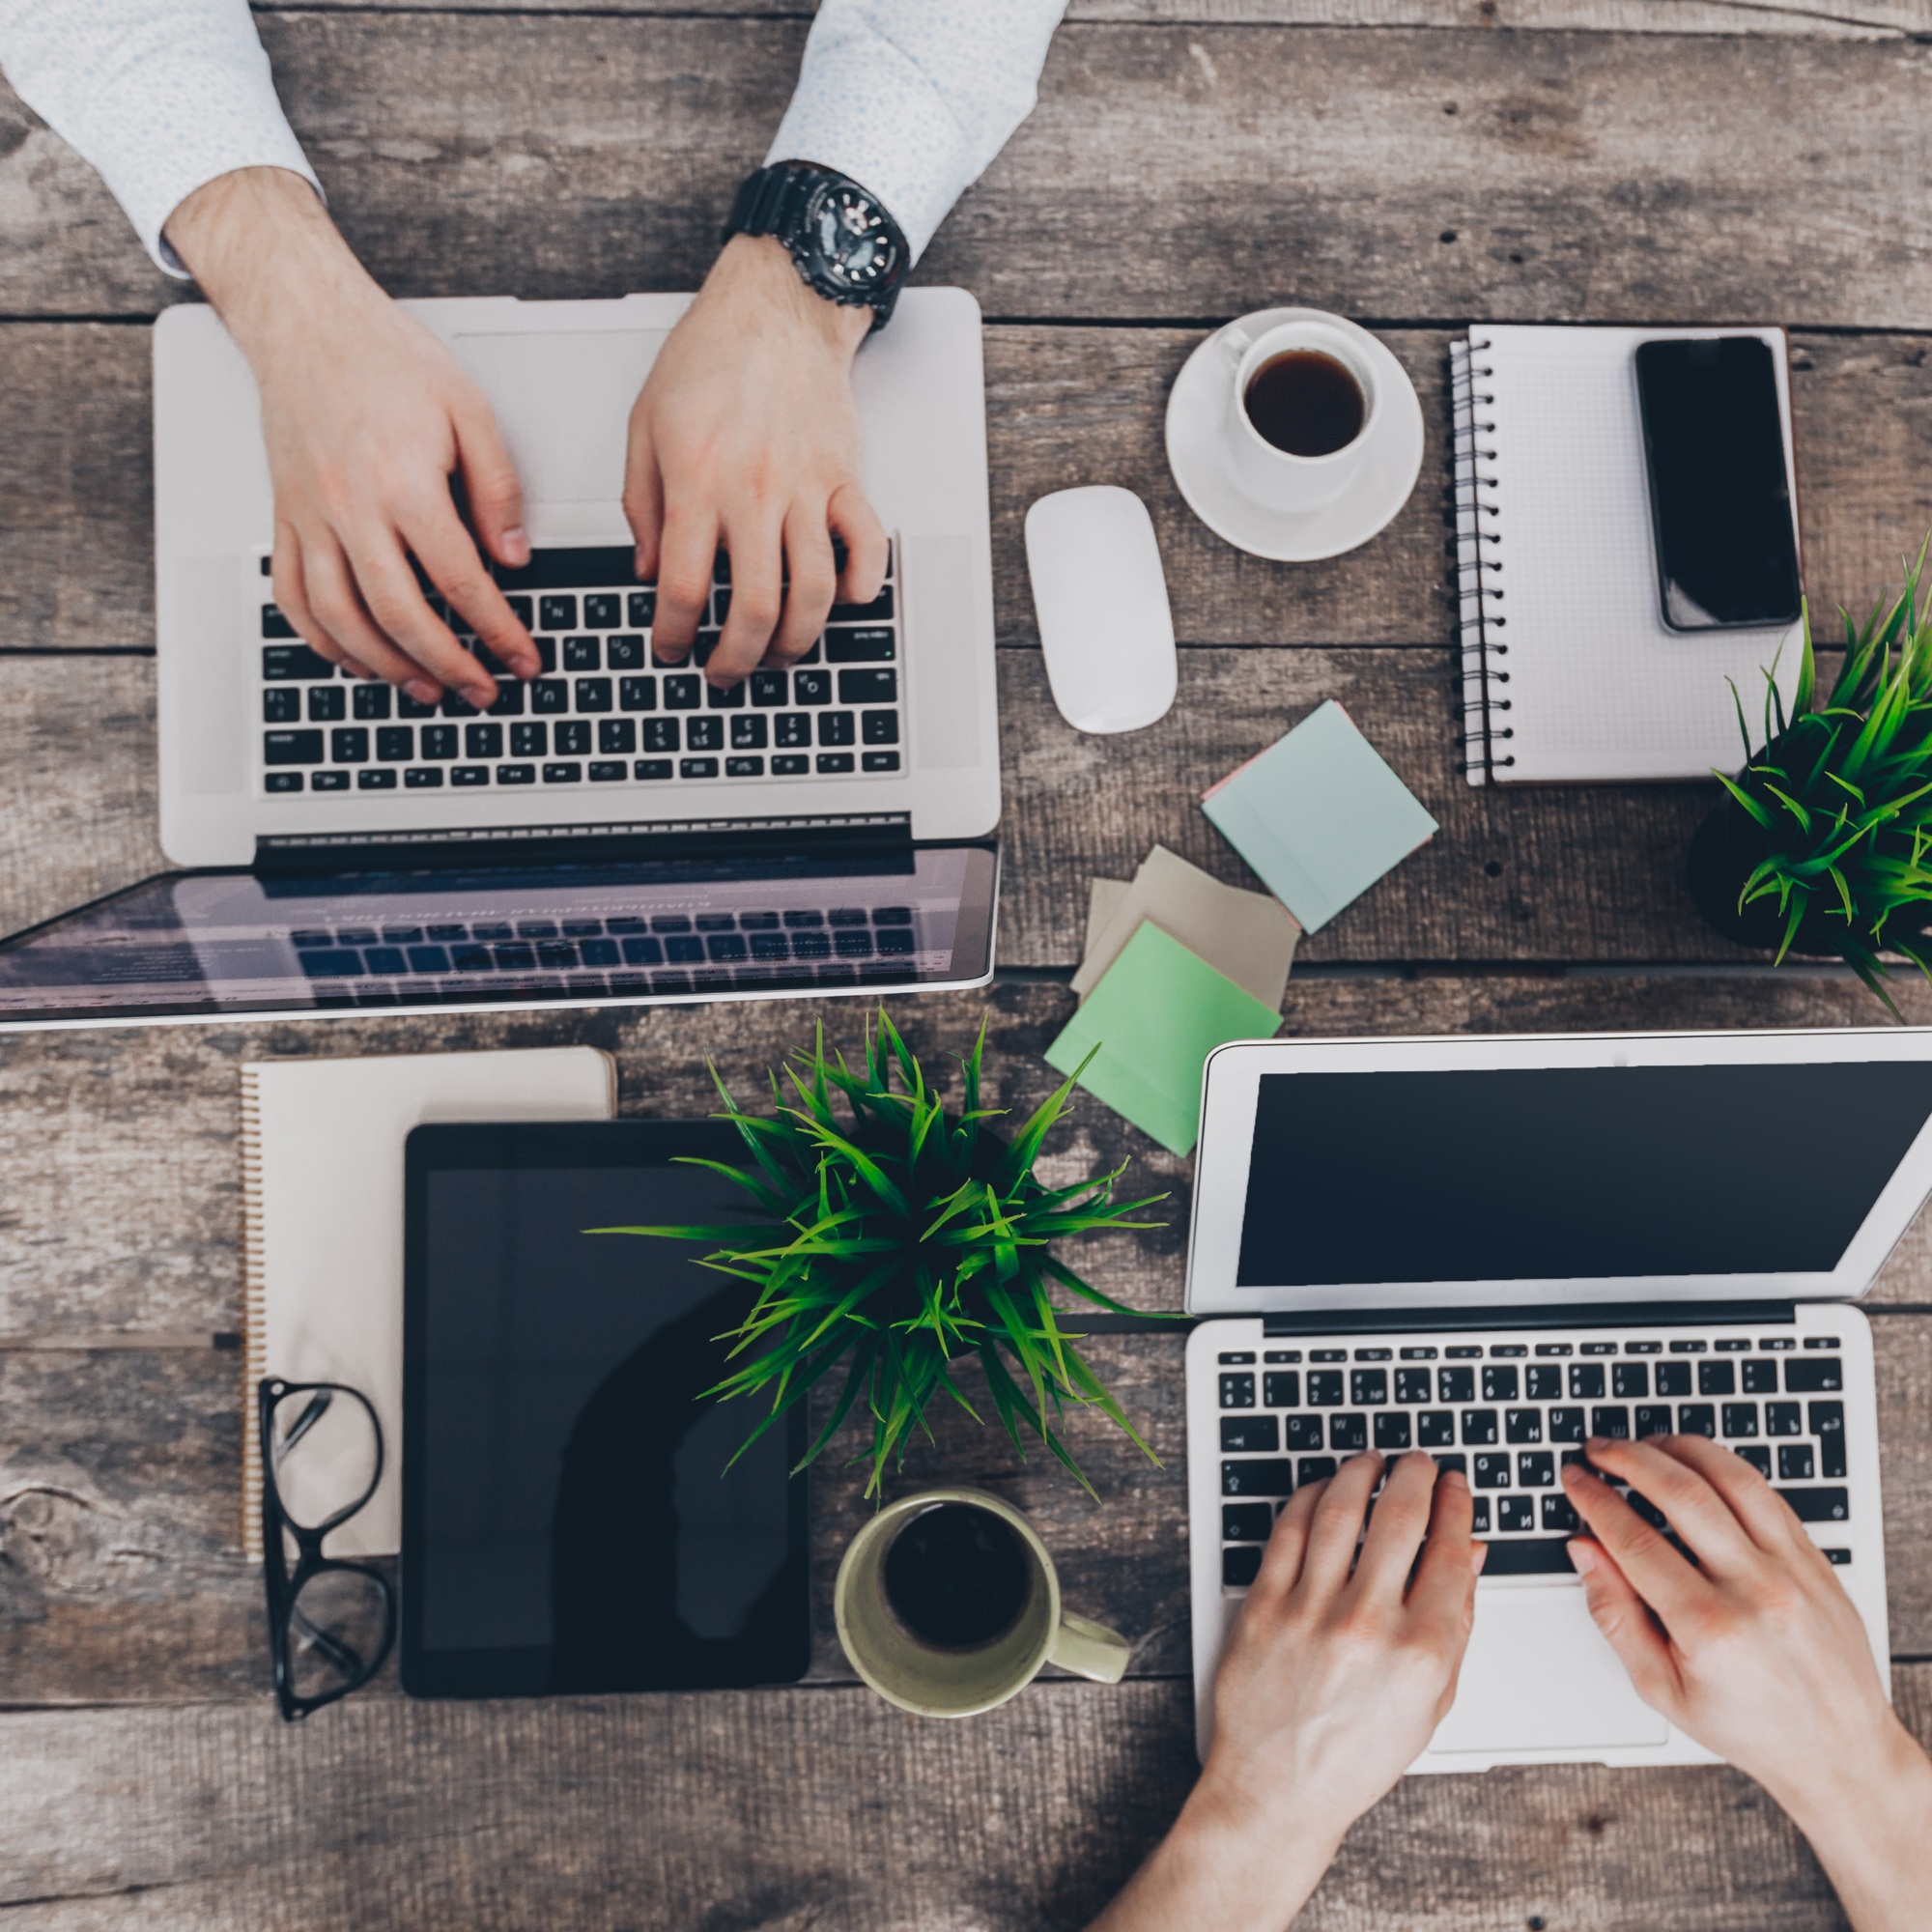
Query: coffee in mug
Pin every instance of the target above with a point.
(956, 1576)
(1306, 403)
(947, 1603)
(1301, 411)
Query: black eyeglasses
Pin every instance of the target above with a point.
(332, 1623)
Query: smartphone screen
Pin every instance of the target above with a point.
(1719, 494)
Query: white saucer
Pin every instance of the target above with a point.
(1196, 452)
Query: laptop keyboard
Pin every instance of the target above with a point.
(663, 952)
(605, 711)
(1509, 1412)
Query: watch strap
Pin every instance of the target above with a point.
(773, 202)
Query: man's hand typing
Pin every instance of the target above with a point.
(746, 439)
(1756, 1651)
(378, 444)
(1339, 1668)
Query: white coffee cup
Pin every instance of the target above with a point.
(1278, 479)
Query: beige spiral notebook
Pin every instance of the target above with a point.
(1569, 670)
(322, 1189)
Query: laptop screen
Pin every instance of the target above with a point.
(1498, 1175)
(204, 945)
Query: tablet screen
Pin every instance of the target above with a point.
(569, 1522)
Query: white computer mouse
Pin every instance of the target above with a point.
(1101, 594)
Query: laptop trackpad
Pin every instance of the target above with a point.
(563, 400)
(1539, 1676)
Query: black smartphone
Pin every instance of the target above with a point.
(1720, 490)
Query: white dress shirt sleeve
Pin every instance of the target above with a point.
(914, 97)
(160, 96)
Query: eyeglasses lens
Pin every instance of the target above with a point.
(324, 1447)
(335, 1632)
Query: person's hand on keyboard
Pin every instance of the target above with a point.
(370, 424)
(1337, 1672)
(746, 439)
(1757, 1653)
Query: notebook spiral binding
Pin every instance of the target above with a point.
(254, 1314)
(1479, 564)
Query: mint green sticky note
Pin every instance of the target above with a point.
(1318, 816)
(1159, 1011)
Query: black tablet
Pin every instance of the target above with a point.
(568, 1520)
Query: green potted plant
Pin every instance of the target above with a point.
(1821, 844)
(900, 1242)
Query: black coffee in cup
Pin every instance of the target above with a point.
(957, 1578)
(1306, 403)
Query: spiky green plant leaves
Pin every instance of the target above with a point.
(1841, 794)
(898, 1242)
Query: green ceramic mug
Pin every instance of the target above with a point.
(933, 1681)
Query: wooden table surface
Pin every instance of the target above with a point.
(1416, 163)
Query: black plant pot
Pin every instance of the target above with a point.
(1728, 848)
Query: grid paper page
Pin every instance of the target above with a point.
(1598, 687)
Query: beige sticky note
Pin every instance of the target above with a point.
(1103, 900)
(1248, 937)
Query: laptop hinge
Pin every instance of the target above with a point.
(314, 854)
(1571, 1315)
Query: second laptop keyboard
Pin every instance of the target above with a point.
(1509, 1412)
(604, 712)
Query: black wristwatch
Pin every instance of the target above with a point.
(843, 244)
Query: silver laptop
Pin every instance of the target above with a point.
(1489, 1249)
(615, 830)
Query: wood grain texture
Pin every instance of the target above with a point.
(1558, 872)
(123, 1210)
(1072, 405)
(1581, 176)
(121, 1576)
(1882, 19)
(784, 1811)
(1888, 19)
(1550, 873)
(77, 496)
(1554, 873)
(78, 799)
(1063, 406)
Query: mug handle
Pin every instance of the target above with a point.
(1090, 1650)
(1237, 342)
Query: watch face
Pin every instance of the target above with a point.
(855, 247)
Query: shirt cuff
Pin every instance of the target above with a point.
(160, 96)
(867, 108)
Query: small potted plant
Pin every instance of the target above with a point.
(898, 1243)
(1821, 844)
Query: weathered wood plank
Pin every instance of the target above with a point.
(123, 1579)
(77, 796)
(1551, 874)
(1063, 406)
(1885, 20)
(119, 1569)
(76, 490)
(783, 1811)
(1517, 873)
(1087, 405)
(1554, 873)
(123, 1213)
(1581, 176)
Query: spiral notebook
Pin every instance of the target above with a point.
(1568, 671)
(322, 1214)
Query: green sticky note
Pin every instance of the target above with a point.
(1157, 1013)
(1318, 816)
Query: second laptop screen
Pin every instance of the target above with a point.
(1570, 1174)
